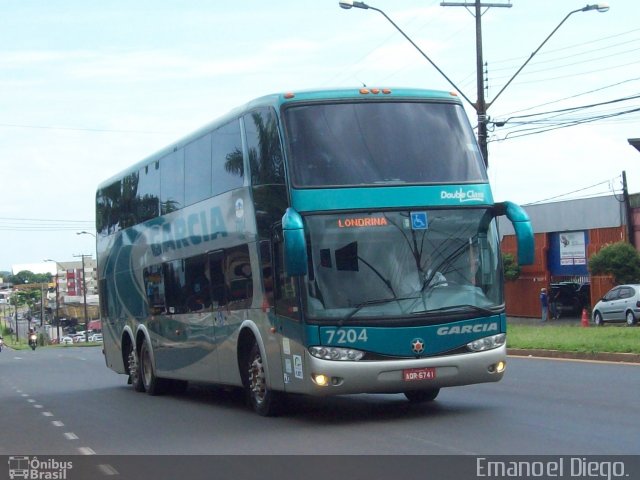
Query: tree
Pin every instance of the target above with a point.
(621, 260)
(510, 266)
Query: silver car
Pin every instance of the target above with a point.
(620, 304)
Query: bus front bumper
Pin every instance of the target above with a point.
(396, 376)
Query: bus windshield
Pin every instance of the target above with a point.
(403, 263)
(340, 144)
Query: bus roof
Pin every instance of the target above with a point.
(278, 99)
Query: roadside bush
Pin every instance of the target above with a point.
(511, 267)
(621, 260)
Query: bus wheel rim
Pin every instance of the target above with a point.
(257, 385)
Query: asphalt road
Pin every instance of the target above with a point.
(64, 401)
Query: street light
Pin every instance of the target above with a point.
(57, 297)
(480, 106)
(600, 7)
(348, 4)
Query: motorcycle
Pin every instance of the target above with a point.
(1, 343)
(33, 341)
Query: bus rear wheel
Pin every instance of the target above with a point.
(260, 397)
(134, 371)
(152, 384)
(422, 396)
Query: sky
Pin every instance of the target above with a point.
(89, 88)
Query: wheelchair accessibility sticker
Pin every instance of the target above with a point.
(419, 221)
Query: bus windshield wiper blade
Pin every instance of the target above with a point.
(379, 301)
(465, 306)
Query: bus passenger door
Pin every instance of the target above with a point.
(288, 322)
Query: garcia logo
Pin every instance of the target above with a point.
(462, 329)
(462, 195)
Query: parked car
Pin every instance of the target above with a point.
(620, 304)
(66, 340)
(571, 297)
(96, 337)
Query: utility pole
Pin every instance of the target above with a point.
(481, 104)
(627, 210)
(84, 297)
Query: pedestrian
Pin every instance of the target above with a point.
(544, 304)
(553, 304)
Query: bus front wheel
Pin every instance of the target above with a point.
(422, 396)
(260, 397)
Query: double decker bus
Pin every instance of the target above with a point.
(319, 242)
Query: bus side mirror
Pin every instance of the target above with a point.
(295, 244)
(524, 231)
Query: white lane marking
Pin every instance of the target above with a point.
(57, 423)
(87, 451)
(71, 436)
(107, 469)
(37, 406)
(31, 400)
(24, 395)
(47, 414)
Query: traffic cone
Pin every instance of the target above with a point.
(584, 321)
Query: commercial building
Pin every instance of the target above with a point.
(566, 235)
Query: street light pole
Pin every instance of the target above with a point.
(84, 297)
(480, 106)
(57, 296)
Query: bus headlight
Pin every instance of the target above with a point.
(487, 343)
(336, 353)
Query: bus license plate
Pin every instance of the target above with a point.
(415, 374)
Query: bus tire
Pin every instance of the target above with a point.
(152, 384)
(422, 396)
(260, 397)
(135, 378)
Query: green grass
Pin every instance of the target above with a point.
(613, 338)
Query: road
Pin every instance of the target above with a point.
(64, 401)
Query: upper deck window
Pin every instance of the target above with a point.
(365, 143)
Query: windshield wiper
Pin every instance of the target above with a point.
(379, 301)
(465, 306)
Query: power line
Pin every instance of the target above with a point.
(77, 129)
(16, 224)
(537, 130)
(567, 47)
(607, 182)
(574, 96)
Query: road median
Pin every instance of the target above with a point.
(594, 356)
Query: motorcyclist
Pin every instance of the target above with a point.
(1, 343)
(32, 338)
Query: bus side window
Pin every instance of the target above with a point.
(174, 286)
(154, 287)
(265, 151)
(238, 277)
(216, 277)
(197, 284)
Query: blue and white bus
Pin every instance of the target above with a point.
(322, 243)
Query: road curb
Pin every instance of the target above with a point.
(602, 356)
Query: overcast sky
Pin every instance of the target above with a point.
(87, 88)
